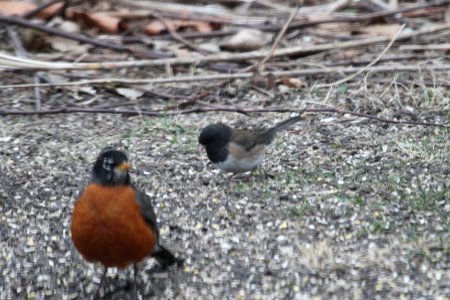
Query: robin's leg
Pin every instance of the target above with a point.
(100, 285)
(133, 287)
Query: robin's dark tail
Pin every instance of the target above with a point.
(165, 258)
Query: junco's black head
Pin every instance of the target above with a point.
(215, 134)
(215, 138)
(111, 168)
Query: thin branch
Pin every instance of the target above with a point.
(186, 35)
(5, 59)
(444, 47)
(37, 93)
(300, 24)
(14, 20)
(179, 38)
(21, 52)
(350, 77)
(40, 8)
(415, 83)
(213, 77)
(196, 12)
(364, 17)
(180, 10)
(69, 110)
(280, 35)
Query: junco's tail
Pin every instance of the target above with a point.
(164, 257)
(270, 133)
(285, 124)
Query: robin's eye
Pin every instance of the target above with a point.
(107, 162)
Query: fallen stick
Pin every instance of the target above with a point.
(6, 60)
(14, 20)
(21, 52)
(350, 77)
(246, 111)
(212, 77)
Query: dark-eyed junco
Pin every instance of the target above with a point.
(113, 223)
(239, 150)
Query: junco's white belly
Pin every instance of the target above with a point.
(239, 165)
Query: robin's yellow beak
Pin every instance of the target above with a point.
(125, 166)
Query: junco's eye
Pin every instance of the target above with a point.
(107, 162)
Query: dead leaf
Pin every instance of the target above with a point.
(386, 30)
(246, 40)
(88, 90)
(131, 94)
(16, 8)
(291, 82)
(156, 27)
(447, 15)
(50, 11)
(210, 47)
(19, 8)
(283, 88)
(337, 5)
(393, 4)
(181, 53)
(102, 21)
(317, 17)
(65, 45)
(67, 26)
(344, 30)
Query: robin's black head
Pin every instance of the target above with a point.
(215, 138)
(111, 168)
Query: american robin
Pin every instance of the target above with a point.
(239, 150)
(113, 223)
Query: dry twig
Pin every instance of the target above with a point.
(246, 111)
(368, 66)
(14, 20)
(296, 25)
(213, 77)
(444, 47)
(21, 52)
(291, 18)
(4, 59)
(179, 38)
(365, 17)
(40, 8)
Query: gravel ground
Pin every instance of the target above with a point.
(342, 208)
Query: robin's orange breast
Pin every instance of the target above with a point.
(108, 227)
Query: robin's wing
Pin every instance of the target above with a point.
(147, 211)
(164, 257)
